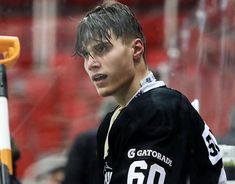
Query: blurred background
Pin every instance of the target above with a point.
(191, 43)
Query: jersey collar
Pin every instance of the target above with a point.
(146, 84)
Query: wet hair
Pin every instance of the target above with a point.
(111, 17)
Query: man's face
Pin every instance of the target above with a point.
(110, 66)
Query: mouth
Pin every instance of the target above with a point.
(99, 77)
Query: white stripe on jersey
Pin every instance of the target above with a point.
(222, 177)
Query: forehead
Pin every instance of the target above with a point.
(90, 37)
(103, 41)
(100, 39)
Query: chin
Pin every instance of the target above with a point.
(104, 93)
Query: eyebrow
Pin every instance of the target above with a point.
(100, 43)
(103, 43)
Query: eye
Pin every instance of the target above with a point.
(102, 48)
(86, 54)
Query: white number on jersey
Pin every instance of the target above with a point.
(211, 144)
(139, 176)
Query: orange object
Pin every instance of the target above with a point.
(6, 158)
(9, 53)
(9, 50)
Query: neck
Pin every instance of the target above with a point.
(125, 95)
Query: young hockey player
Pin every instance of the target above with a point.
(154, 136)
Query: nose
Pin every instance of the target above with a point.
(92, 62)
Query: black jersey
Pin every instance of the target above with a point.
(82, 163)
(159, 138)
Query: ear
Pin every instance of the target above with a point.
(138, 48)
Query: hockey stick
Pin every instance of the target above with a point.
(9, 53)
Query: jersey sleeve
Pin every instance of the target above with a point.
(206, 164)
